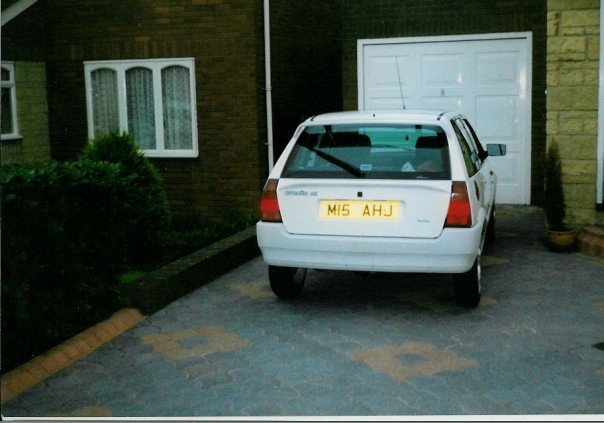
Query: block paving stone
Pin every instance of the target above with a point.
(355, 343)
(45, 365)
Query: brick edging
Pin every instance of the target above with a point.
(591, 241)
(149, 294)
(47, 364)
(167, 284)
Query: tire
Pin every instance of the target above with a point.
(467, 286)
(490, 235)
(286, 282)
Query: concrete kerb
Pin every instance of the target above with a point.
(163, 286)
(147, 295)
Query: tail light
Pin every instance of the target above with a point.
(269, 205)
(460, 211)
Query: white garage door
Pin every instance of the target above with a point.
(485, 77)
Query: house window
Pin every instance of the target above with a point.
(152, 99)
(8, 111)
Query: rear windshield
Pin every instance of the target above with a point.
(370, 151)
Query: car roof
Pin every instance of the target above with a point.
(380, 116)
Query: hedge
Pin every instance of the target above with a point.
(67, 230)
(146, 204)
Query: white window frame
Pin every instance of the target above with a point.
(156, 66)
(11, 84)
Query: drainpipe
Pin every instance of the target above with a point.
(600, 150)
(268, 88)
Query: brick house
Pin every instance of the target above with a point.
(187, 77)
(524, 71)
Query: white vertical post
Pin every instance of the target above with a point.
(268, 88)
(600, 153)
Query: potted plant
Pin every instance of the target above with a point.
(560, 237)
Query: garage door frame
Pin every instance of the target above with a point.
(527, 36)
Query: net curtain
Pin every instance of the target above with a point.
(141, 112)
(140, 99)
(176, 99)
(105, 115)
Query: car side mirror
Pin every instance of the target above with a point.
(496, 149)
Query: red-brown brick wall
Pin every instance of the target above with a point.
(306, 63)
(314, 71)
(226, 39)
(395, 18)
(223, 36)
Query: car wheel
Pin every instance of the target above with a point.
(467, 286)
(286, 282)
(490, 235)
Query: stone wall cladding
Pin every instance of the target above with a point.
(393, 18)
(23, 42)
(223, 37)
(573, 48)
(32, 116)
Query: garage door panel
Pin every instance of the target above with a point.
(382, 71)
(442, 70)
(483, 77)
(387, 103)
(506, 168)
(497, 68)
(450, 103)
(497, 117)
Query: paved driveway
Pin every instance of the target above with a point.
(358, 344)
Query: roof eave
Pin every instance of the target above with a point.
(15, 10)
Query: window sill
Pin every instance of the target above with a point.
(11, 138)
(171, 155)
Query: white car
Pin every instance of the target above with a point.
(409, 191)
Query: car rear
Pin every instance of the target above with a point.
(369, 194)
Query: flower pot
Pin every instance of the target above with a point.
(562, 241)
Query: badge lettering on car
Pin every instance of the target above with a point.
(301, 193)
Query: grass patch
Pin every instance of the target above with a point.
(131, 276)
(188, 235)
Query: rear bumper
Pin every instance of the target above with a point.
(454, 251)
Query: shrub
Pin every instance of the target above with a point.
(189, 234)
(67, 230)
(146, 204)
(63, 238)
(555, 206)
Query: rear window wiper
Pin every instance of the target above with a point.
(353, 170)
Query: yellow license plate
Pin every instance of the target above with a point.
(359, 209)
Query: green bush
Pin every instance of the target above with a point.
(63, 237)
(67, 230)
(146, 203)
(190, 234)
(555, 206)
